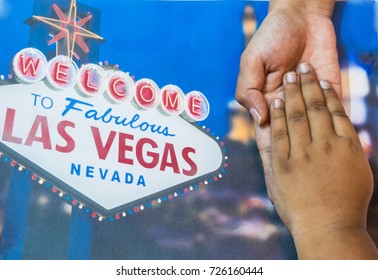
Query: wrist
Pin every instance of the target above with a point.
(314, 7)
(320, 7)
(296, 6)
(344, 243)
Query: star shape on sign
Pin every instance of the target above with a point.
(70, 28)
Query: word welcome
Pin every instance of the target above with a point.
(61, 72)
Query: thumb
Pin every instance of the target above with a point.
(249, 87)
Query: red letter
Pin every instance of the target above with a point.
(145, 94)
(139, 153)
(40, 121)
(29, 63)
(168, 103)
(8, 127)
(122, 148)
(195, 106)
(117, 88)
(70, 143)
(102, 150)
(61, 73)
(169, 151)
(193, 167)
(87, 85)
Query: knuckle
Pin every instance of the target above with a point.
(339, 113)
(282, 166)
(316, 105)
(327, 147)
(241, 96)
(279, 135)
(309, 80)
(330, 94)
(354, 145)
(266, 149)
(301, 156)
(285, 166)
(306, 156)
(296, 116)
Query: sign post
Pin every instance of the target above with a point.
(16, 219)
(79, 244)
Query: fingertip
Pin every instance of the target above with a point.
(325, 85)
(255, 102)
(304, 68)
(328, 90)
(276, 108)
(255, 116)
(278, 103)
(290, 78)
(264, 113)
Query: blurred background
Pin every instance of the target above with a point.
(196, 45)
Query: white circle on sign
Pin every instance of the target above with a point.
(172, 100)
(197, 106)
(120, 87)
(62, 72)
(91, 80)
(30, 65)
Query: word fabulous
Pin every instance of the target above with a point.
(61, 72)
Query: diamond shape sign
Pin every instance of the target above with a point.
(106, 141)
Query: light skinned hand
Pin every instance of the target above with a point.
(321, 181)
(291, 33)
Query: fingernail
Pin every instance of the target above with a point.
(277, 103)
(255, 115)
(291, 77)
(324, 84)
(304, 68)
